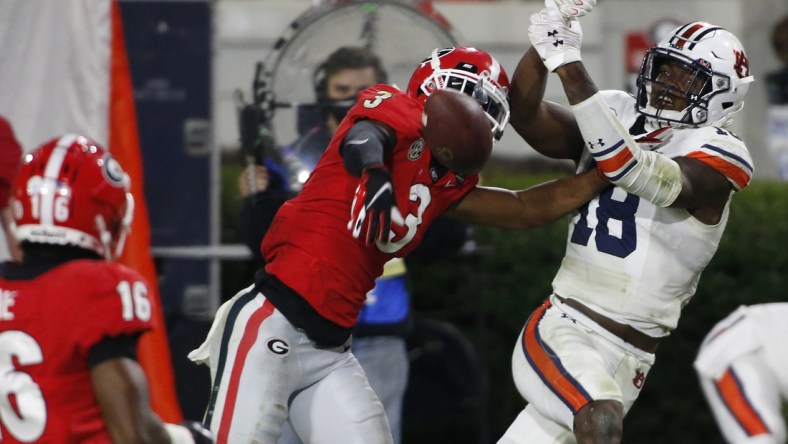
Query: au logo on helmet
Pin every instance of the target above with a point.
(741, 65)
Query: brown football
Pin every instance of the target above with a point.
(457, 131)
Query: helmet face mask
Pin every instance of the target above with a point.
(664, 91)
(698, 75)
(468, 70)
(70, 191)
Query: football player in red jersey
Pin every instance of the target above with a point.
(279, 350)
(10, 157)
(69, 317)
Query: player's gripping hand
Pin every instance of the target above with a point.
(557, 41)
(571, 9)
(372, 205)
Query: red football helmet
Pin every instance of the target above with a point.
(71, 191)
(471, 71)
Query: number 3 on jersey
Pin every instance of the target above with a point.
(611, 212)
(379, 98)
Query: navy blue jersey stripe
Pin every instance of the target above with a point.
(228, 330)
(557, 362)
(609, 150)
(729, 154)
(626, 170)
(700, 36)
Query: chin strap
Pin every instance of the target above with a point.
(647, 174)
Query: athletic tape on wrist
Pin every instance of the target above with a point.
(560, 59)
(647, 174)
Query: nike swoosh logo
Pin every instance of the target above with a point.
(357, 142)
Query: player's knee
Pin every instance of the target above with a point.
(599, 422)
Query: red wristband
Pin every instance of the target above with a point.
(601, 174)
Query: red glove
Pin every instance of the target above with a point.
(372, 205)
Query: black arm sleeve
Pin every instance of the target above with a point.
(124, 346)
(365, 144)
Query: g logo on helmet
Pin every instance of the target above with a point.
(278, 347)
(113, 171)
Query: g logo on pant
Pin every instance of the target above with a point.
(277, 347)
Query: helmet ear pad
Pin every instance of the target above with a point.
(320, 83)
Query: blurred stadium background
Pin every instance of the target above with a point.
(190, 58)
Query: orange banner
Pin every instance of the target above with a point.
(153, 350)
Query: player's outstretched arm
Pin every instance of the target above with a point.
(363, 151)
(680, 182)
(529, 208)
(546, 126)
(683, 183)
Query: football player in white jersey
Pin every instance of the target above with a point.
(635, 253)
(743, 369)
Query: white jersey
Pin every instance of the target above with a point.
(635, 262)
(743, 370)
(749, 328)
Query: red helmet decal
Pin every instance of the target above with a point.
(741, 64)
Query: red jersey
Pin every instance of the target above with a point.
(309, 246)
(48, 325)
(10, 158)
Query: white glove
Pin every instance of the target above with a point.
(571, 9)
(556, 41)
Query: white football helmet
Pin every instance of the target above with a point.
(716, 81)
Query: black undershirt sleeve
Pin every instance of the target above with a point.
(111, 347)
(366, 144)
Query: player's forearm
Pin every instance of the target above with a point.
(528, 86)
(547, 127)
(546, 202)
(647, 174)
(577, 83)
(365, 146)
(530, 208)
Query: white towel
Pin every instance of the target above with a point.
(202, 354)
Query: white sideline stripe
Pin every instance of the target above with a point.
(52, 171)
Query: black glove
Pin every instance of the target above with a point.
(372, 205)
(200, 434)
